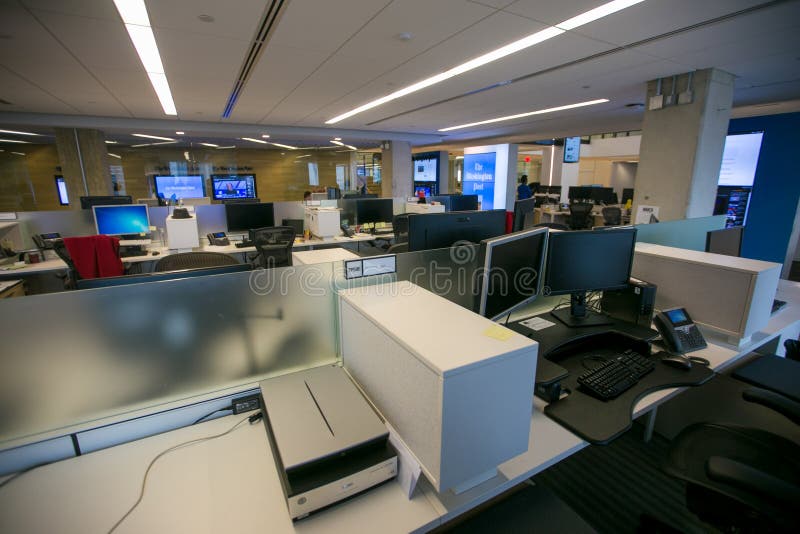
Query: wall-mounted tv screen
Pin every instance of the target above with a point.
(226, 186)
(426, 167)
(179, 187)
(572, 149)
(740, 159)
(61, 189)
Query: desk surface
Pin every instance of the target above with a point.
(231, 484)
(325, 255)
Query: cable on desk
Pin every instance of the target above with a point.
(251, 418)
(209, 414)
(20, 473)
(701, 361)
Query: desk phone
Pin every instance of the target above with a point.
(218, 239)
(678, 331)
(45, 241)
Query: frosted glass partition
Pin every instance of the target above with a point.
(75, 357)
(447, 272)
(685, 233)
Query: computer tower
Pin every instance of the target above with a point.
(633, 304)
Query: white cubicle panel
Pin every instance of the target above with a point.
(456, 386)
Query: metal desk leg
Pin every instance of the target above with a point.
(650, 425)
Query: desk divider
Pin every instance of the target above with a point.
(685, 233)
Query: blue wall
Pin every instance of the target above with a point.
(776, 188)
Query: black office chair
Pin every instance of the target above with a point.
(552, 226)
(72, 277)
(741, 479)
(193, 260)
(580, 214)
(274, 246)
(612, 216)
(398, 248)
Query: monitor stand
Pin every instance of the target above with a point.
(578, 316)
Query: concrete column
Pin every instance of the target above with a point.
(510, 178)
(84, 161)
(396, 170)
(444, 172)
(682, 144)
(564, 174)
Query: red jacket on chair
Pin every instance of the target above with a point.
(95, 256)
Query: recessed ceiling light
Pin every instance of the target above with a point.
(115, 155)
(404, 36)
(212, 145)
(178, 133)
(14, 141)
(153, 137)
(337, 138)
(110, 142)
(137, 22)
(494, 55)
(265, 136)
(254, 140)
(528, 114)
(15, 132)
(205, 18)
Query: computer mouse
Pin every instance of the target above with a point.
(679, 361)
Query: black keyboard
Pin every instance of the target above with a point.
(243, 244)
(616, 375)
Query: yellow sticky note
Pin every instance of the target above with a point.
(498, 332)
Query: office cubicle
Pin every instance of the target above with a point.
(684, 233)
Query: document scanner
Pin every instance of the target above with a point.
(328, 442)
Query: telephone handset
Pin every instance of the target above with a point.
(45, 241)
(347, 230)
(218, 239)
(678, 331)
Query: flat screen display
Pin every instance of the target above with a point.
(246, 216)
(121, 220)
(740, 159)
(479, 177)
(572, 149)
(426, 167)
(176, 187)
(233, 186)
(61, 188)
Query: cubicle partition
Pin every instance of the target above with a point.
(684, 233)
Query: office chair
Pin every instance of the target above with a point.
(738, 478)
(579, 215)
(612, 216)
(551, 225)
(397, 248)
(72, 277)
(274, 246)
(193, 260)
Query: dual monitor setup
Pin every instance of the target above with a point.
(223, 186)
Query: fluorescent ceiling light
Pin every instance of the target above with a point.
(178, 133)
(19, 153)
(18, 133)
(351, 147)
(303, 156)
(134, 15)
(528, 114)
(154, 144)
(494, 55)
(225, 147)
(337, 138)
(14, 141)
(254, 140)
(212, 145)
(115, 155)
(337, 142)
(111, 142)
(284, 146)
(153, 137)
(265, 136)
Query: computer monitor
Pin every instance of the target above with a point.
(603, 195)
(241, 217)
(426, 190)
(627, 194)
(121, 220)
(225, 186)
(442, 230)
(511, 271)
(726, 241)
(523, 208)
(370, 210)
(179, 186)
(88, 202)
(579, 193)
(583, 261)
(464, 203)
(334, 193)
(554, 189)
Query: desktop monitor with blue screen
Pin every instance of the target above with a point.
(226, 186)
(175, 187)
(584, 261)
(122, 220)
(510, 273)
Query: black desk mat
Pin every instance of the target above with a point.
(600, 421)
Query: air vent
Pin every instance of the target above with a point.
(269, 22)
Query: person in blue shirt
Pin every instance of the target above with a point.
(523, 191)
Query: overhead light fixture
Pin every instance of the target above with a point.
(178, 133)
(18, 133)
(225, 147)
(351, 147)
(110, 142)
(265, 136)
(337, 142)
(284, 146)
(137, 22)
(154, 144)
(153, 137)
(459, 157)
(14, 141)
(212, 145)
(115, 155)
(528, 114)
(254, 140)
(494, 55)
(337, 138)
(303, 156)
(19, 153)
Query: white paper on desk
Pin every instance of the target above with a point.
(408, 468)
(537, 323)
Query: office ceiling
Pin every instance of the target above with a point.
(74, 57)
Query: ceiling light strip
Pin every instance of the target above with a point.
(137, 23)
(14, 141)
(494, 55)
(528, 114)
(15, 132)
(153, 137)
